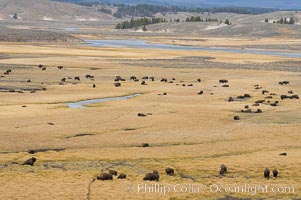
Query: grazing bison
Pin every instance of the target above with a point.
(104, 176)
(260, 101)
(226, 86)
(258, 111)
(199, 80)
(236, 118)
(30, 161)
(152, 176)
(274, 104)
(77, 78)
(201, 92)
(133, 78)
(264, 91)
(40, 66)
(63, 79)
(122, 176)
(247, 111)
(170, 171)
(223, 169)
(143, 83)
(60, 67)
(247, 95)
(230, 99)
(44, 68)
(246, 106)
(117, 84)
(145, 145)
(290, 92)
(283, 154)
(28, 81)
(88, 76)
(144, 78)
(152, 78)
(284, 82)
(164, 80)
(223, 81)
(113, 172)
(7, 72)
(275, 173)
(190, 85)
(266, 173)
(141, 115)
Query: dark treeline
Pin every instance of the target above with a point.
(199, 19)
(148, 10)
(145, 10)
(135, 23)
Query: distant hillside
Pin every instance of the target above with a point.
(47, 10)
(276, 4)
(25, 35)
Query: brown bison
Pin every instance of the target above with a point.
(258, 111)
(275, 173)
(122, 176)
(264, 91)
(170, 171)
(30, 161)
(201, 92)
(223, 81)
(152, 176)
(117, 84)
(266, 173)
(104, 176)
(145, 145)
(230, 99)
(141, 115)
(236, 118)
(223, 169)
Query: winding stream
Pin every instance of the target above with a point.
(145, 44)
(83, 104)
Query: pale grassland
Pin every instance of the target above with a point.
(193, 134)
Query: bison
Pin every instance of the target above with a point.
(104, 176)
(141, 115)
(236, 118)
(145, 145)
(170, 171)
(275, 173)
(223, 81)
(223, 169)
(30, 161)
(117, 84)
(122, 176)
(201, 92)
(152, 176)
(266, 173)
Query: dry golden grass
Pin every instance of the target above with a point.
(193, 134)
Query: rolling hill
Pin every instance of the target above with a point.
(49, 11)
